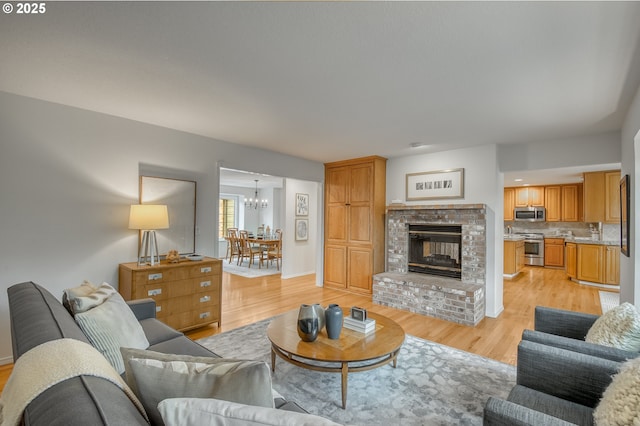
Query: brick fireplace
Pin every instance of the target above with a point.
(459, 298)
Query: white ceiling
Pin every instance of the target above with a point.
(335, 80)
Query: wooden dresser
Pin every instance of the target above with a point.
(187, 293)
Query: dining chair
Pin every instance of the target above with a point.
(248, 251)
(275, 251)
(232, 243)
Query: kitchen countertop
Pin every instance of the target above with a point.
(588, 240)
(513, 237)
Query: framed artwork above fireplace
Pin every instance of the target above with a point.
(435, 185)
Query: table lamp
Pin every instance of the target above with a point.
(148, 218)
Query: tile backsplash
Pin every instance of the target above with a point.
(610, 232)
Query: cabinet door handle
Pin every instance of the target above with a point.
(204, 315)
(154, 292)
(205, 299)
(155, 277)
(205, 283)
(205, 269)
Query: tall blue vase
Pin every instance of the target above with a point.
(333, 321)
(308, 323)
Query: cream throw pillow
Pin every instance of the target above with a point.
(155, 376)
(197, 412)
(618, 328)
(620, 403)
(110, 324)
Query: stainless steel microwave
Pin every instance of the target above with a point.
(529, 214)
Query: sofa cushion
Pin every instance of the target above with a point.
(620, 403)
(199, 411)
(155, 376)
(556, 407)
(112, 325)
(182, 345)
(618, 327)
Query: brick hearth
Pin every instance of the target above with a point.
(461, 301)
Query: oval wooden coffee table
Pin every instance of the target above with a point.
(369, 351)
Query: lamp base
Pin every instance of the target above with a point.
(149, 249)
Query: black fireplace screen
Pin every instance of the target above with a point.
(436, 250)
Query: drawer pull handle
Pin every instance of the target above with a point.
(155, 277)
(205, 283)
(205, 269)
(158, 308)
(155, 292)
(204, 299)
(204, 315)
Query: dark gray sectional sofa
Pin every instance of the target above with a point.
(38, 317)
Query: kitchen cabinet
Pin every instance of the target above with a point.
(554, 252)
(590, 263)
(553, 203)
(612, 265)
(513, 257)
(509, 203)
(612, 197)
(571, 197)
(354, 223)
(529, 196)
(571, 259)
(562, 203)
(602, 197)
(595, 263)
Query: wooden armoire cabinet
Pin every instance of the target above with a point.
(354, 223)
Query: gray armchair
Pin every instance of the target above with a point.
(567, 330)
(554, 386)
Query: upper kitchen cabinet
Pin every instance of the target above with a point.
(602, 196)
(509, 203)
(354, 223)
(562, 203)
(529, 196)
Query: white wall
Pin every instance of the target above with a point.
(68, 177)
(575, 152)
(482, 185)
(306, 252)
(630, 139)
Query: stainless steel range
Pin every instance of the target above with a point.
(533, 248)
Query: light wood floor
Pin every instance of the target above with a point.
(247, 300)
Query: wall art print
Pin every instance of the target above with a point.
(435, 185)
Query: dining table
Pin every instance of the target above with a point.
(267, 242)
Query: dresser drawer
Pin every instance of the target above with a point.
(156, 291)
(206, 284)
(159, 275)
(205, 269)
(206, 315)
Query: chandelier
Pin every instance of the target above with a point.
(254, 203)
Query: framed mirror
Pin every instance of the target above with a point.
(180, 199)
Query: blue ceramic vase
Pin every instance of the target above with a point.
(333, 321)
(308, 323)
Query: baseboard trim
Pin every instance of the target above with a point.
(6, 360)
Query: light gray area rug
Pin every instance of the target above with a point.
(432, 385)
(244, 271)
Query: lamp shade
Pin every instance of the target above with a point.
(148, 217)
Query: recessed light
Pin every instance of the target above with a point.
(417, 144)
(517, 180)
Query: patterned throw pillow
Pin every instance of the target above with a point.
(620, 403)
(107, 321)
(618, 328)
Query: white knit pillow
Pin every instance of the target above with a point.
(618, 328)
(620, 403)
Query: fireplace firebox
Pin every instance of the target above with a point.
(435, 250)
